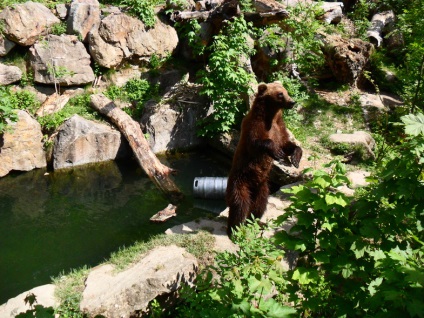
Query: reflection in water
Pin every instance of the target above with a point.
(52, 223)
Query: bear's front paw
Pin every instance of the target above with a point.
(279, 155)
(296, 156)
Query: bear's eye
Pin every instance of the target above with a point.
(280, 95)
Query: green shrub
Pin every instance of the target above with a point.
(225, 80)
(248, 283)
(143, 9)
(11, 101)
(362, 257)
(79, 104)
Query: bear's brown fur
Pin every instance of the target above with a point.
(264, 138)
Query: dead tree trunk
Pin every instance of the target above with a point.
(156, 171)
(378, 25)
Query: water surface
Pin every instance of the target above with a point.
(51, 223)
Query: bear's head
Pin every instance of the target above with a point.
(274, 94)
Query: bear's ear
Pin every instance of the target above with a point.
(261, 89)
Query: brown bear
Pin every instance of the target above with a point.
(264, 138)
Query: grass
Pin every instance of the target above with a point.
(200, 245)
(69, 287)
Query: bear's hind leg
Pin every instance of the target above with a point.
(239, 202)
(260, 200)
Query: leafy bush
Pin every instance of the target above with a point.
(77, 105)
(143, 9)
(225, 79)
(11, 101)
(363, 257)
(135, 91)
(248, 283)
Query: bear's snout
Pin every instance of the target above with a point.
(290, 104)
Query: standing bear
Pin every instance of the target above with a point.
(264, 138)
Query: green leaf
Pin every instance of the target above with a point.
(337, 198)
(414, 124)
(375, 283)
(305, 276)
(324, 182)
(277, 310)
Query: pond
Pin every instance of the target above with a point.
(51, 223)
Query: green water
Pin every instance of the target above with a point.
(52, 223)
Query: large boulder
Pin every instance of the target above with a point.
(25, 23)
(84, 15)
(171, 124)
(21, 147)
(44, 297)
(5, 45)
(80, 141)
(9, 74)
(126, 38)
(347, 58)
(62, 60)
(361, 139)
(160, 272)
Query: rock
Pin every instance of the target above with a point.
(125, 38)
(56, 102)
(5, 46)
(9, 74)
(62, 10)
(62, 60)
(122, 76)
(14, 306)
(84, 15)
(165, 214)
(217, 228)
(25, 23)
(104, 53)
(357, 178)
(347, 58)
(80, 141)
(381, 102)
(171, 124)
(21, 148)
(160, 272)
(361, 138)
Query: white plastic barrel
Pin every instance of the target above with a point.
(210, 187)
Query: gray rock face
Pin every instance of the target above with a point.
(9, 74)
(347, 58)
(80, 141)
(160, 272)
(361, 138)
(5, 46)
(172, 123)
(84, 15)
(62, 10)
(17, 305)
(21, 148)
(61, 59)
(121, 37)
(24, 23)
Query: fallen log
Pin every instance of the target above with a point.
(205, 5)
(378, 25)
(225, 11)
(155, 170)
(267, 11)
